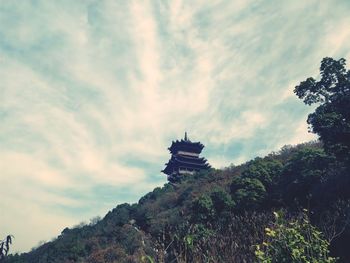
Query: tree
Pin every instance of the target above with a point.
(331, 119)
(302, 175)
(267, 171)
(222, 201)
(247, 192)
(203, 209)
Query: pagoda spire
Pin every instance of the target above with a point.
(186, 138)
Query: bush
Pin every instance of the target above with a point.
(248, 193)
(294, 241)
(222, 201)
(203, 209)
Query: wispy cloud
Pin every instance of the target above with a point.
(93, 92)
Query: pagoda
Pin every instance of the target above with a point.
(184, 159)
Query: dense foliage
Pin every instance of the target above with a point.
(220, 215)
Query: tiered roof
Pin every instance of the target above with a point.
(188, 146)
(188, 162)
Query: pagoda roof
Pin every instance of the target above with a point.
(186, 145)
(187, 162)
(187, 159)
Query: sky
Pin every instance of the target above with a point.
(93, 92)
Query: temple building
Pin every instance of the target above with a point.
(184, 159)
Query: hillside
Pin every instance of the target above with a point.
(224, 210)
(220, 215)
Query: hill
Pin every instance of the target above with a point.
(223, 211)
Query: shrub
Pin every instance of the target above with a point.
(247, 192)
(294, 241)
(203, 209)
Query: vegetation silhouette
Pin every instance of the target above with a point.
(5, 246)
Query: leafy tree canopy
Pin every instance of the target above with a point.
(331, 119)
(265, 170)
(222, 201)
(302, 175)
(247, 192)
(203, 209)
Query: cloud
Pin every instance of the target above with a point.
(92, 93)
